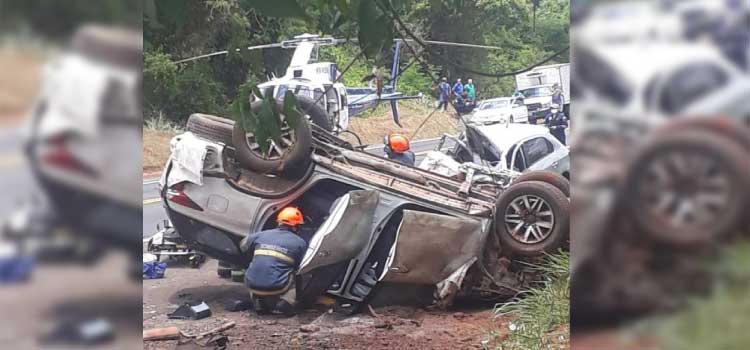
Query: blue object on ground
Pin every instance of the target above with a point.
(154, 270)
(16, 268)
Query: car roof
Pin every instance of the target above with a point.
(503, 136)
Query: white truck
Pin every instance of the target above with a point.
(536, 86)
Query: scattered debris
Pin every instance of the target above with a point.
(167, 333)
(188, 311)
(88, 332)
(154, 270)
(309, 328)
(234, 304)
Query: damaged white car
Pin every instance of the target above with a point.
(369, 221)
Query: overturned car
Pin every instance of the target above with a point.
(369, 221)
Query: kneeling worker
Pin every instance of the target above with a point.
(397, 148)
(277, 254)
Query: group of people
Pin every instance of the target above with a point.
(462, 93)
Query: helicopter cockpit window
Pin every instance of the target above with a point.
(318, 96)
(280, 91)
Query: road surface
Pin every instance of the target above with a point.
(153, 211)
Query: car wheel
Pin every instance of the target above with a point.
(550, 177)
(688, 187)
(211, 127)
(532, 217)
(291, 153)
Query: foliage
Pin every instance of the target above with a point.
(541, 311)
(178, 29)
(716, 322)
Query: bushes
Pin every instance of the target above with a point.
(178, 91)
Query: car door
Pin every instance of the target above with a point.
(345, 232)
(342, 236)
(430, 247)
(519, 110)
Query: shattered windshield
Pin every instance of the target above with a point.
(493, 104)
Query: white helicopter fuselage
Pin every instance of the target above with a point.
(313, 80)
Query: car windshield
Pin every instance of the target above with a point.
(537, 91)
(493, 104)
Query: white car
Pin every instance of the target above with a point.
(504, 147)
(500, 110)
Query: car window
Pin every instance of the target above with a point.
(536, 149)
(493, 104)
(520, 164)
(690, 83)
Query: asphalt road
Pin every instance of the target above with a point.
(16, 181)
(153, 211)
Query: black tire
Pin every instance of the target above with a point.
(721, 157)
(295, 156)
(550, 177)
(315, 112)
(553, 200)
(211, 127)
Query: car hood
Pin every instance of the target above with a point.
(489, 113)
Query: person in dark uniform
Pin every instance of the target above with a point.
(557, 122)
(397, 148)
(276, 255)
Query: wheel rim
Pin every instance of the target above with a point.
(685, 190)
(529, 219)
(275, 150)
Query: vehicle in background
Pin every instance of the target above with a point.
(509, 149)
(536, 86)
(499, 110)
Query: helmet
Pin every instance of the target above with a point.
(290, 216)
(398, 143)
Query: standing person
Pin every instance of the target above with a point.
(276, 255)
(557, 96)
(397, 148)
(458, 88)
(557, 122)
(469, 87)
(444, 93)
(518, 94)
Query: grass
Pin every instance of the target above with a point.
(718, 322)
(540, 316)
(372, 125)
(19, 82)
(155, 149)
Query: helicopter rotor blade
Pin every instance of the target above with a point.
(249, 48)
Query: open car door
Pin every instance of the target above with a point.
(342, 236)
(431, 247)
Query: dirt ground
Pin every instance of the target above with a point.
(19, 83)
(155, 150)
(318, 328)
(374, 125)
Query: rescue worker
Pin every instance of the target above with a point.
(470, 91)
(557, 122)
(397, 148)
(277, 254)
(444, 93)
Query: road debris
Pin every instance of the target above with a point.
(194, 312)
(166, 333)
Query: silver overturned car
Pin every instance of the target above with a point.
(368, 220)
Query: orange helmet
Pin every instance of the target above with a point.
(398, 143)
(290, 216)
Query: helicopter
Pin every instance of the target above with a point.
(306, 75)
